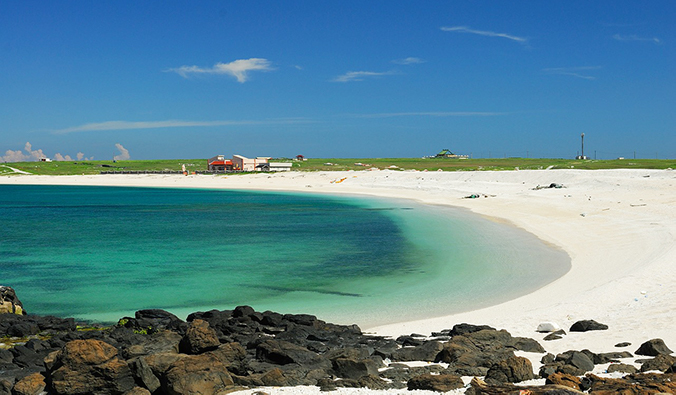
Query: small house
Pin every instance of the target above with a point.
(243, 163)
(219, 164)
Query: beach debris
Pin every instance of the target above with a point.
(587, 325)
(550, 186)
(477, 195)
(653, 348)
(547, 327)
(329, 164)
(338, 180)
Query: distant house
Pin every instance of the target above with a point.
(300, 157)
(218, 164)
(446, 153)
(243, 163)
(275, 166)
(44, 159)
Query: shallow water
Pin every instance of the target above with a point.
(100, 253)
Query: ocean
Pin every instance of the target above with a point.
(101, 253)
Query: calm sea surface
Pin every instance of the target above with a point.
(101, 253)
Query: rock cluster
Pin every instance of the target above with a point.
(9, 302)
(214, 352)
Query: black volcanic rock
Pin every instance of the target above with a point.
(653, 348)
(587, 325)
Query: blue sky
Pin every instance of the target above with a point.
(184, 79)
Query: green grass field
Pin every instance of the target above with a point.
(335, 164)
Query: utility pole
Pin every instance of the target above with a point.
(582, 156)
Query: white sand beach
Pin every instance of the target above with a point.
(618, 226)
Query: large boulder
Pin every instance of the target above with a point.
(587, 325)
(89, 366)
(281, 352)
(199, 337)
(511, 370)
(197, 374)
(428, 351)
(33, 384)
(653, 348)
(9, 302)
(661, 363)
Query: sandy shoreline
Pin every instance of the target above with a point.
(618, 226)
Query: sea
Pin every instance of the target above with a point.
(101, 253)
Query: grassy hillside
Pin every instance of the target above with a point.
(431, 164)
(97, 166)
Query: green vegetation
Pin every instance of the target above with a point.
(447, 164)
(430, 164)
(97, 166)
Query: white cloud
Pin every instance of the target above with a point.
(172, 123)
(409, 60)
(465, 29)
(434, 114)
(61, 158)
(18, 156)
(239, 68)
(633, 37)
(80, 156)
(573, 71)
(360, 75)
(124, 153)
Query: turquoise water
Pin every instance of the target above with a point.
(100, 253)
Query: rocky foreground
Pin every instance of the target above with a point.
(216, 352)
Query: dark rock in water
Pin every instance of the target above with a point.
(199, 338)
(653, 348)
(439, 383)
(623, 344)
(511, 370)
(587, 325)
(622, 368)
(9, 302)
(660, 363)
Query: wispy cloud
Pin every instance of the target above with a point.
(124, 153)
(634, 37)
(409, 60)
(433, 114)
(239, 68)
(579, 72)
(361, 75)
(127, 125)
(465, 29)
